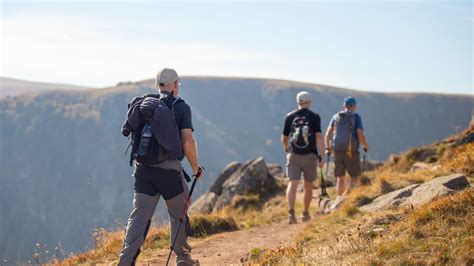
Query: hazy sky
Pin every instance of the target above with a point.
(368, 45)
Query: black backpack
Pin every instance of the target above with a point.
(302, 138)
(146, 149)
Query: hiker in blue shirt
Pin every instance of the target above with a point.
(343, 135)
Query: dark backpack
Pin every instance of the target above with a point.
(343, 139)
(146, 148)
(302, 136)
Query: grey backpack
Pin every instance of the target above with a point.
(343, 139)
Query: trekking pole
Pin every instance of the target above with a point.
(328, 155)
(185, 209)
(323, 182)
(363, 160)
(323, 185)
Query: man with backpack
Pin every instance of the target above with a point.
(347, 132)
(302, 129)
(161, 129)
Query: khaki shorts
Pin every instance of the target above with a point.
(301, 163)
(342, 162)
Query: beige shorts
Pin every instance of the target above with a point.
(301, 163)
(343, 162)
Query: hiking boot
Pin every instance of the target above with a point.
(186, 260)
(291, 217)
(306, 217)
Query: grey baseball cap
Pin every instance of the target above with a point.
(166, 76)
(303, 97)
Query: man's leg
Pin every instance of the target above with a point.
(340, 171)
(291, 193)
(354, 170)
(293, 171)
(350, 185)
(309, 164)
(340, 185)
(308, 197)
(187, 225)
(291, 198)
(308, 194)
(176, 206)
(137, 227)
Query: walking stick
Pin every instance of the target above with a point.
(328, 156)
(183, 215)
(323, 182)
(363, 160)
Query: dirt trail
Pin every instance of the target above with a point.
(229, 248)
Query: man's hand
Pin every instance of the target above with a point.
(328, 151)
(321, 162)
(199, 173)
(366, 148)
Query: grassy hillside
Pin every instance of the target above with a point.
(62, 154)
(439, 232)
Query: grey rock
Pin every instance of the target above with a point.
(327, 205)
(205, 203)
(419, 194)
(435, 188)
(274, 169)
(249, 177)
(223, 176)
(391, 199)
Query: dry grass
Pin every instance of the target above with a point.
(441, 232)
(460, 159)
(109, 244)
(205, 225)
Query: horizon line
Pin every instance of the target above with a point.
(248, 78)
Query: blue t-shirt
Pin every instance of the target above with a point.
(358, 123)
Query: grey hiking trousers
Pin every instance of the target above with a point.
(150, 183)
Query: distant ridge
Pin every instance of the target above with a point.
(13, 87)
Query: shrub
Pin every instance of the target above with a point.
(204, 225)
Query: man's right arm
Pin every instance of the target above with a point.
(328, 136)
(284, 142)
(285, 134)
(329, 132)
(190, 148)
(360, 133)
(361, 137)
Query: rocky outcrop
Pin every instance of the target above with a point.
(237, 179)
(438, 187)
(419, 194)
(223, 176)
(392, 199)
(326, 205)
(205, 203)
